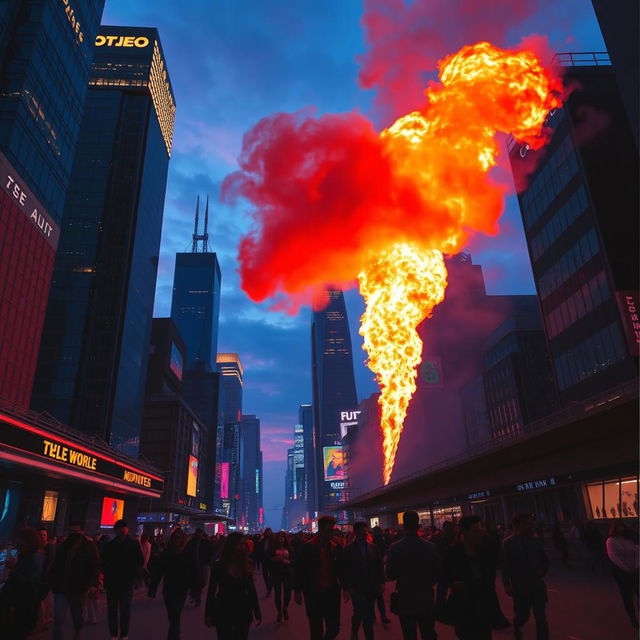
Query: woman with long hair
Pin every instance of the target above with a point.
(177, 571)
(282, 574)
(622, 552)
(232, 601)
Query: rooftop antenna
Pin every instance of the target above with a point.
(204, 237)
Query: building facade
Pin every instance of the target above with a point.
(250, 473)
(46, 49)
(579, 201)
(305, 418)
(92, 365)
(334, 391)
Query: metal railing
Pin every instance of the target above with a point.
(582, 59)
(615, 396)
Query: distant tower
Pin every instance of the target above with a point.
(204, 238)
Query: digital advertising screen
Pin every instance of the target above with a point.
(192, 476)
(333, 463)
(175, 361)
(112, 510)
(224, 480)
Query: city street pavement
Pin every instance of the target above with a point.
(582, 606)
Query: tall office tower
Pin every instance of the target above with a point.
(305, 418)
(620, 26)
(230, 369)
(579, 202)
(46, 48)
(288, 492)
(195, 306)
(334, 391)
(92, 366)
(260, 492)
(250, 472)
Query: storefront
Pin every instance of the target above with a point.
(51, 475)
(612, 498)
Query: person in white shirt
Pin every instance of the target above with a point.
(622, 551)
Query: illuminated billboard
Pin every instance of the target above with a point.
(192, 476)
(224, 480)
(112, 511)
(333, 463)
(175, 361)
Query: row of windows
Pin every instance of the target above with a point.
(561, 221)
(506, 346)
(561, 166)
(595, 354)
(559, 272)
(581, 302)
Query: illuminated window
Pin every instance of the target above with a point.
(616, 498)
(49, 506)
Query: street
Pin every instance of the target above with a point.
(582, 606)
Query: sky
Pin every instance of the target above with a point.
(233, 62)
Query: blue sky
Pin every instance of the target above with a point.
(233, 62)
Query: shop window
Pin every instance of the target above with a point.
(614, 498)
(49, 506)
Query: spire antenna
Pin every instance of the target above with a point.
(194, 246)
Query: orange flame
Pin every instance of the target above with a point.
(483, 90)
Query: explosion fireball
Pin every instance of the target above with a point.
(335, 200)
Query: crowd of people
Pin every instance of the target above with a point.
(446, 575)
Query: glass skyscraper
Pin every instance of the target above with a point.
(195, 306)
(334, 391)
(251, 472)
(92, 366)
(305, 418)
(580, 212)
(46, 48)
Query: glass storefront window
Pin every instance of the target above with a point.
(441, 514)
(616, 498)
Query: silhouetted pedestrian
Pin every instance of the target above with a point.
(121, 564)
(414, 564)
(524, 565)
(268, 542)
(317, 576)
(200, 550)
(24, 589)
(622, 552)
(176, 569)
(469, 577)
(232, 601)
(281, 572)
(74, 571)
(363, 578)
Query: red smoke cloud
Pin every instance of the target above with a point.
(406, 39)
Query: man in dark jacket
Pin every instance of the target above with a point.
(524, 565)
(363, 578)
(75, 569)
(415, 566)
(317, 574)
(121, 563)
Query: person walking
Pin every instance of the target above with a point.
(363, 578)
(176, 569)
(282, 574)
(377, 537)
(317, 576)
(121, 564)
(622, 552)
(232, 601)
(524, 565)
(268, 542)
(45, 616)
(145, 548)
(74, 571)
(414, 564)
(199, 549)
(23, 591)
(469, 578)
(560, 543)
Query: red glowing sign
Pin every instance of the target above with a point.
(112, 511)
(224, 480)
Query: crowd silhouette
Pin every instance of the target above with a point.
(437, 575)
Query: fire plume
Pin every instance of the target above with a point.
(401, 287)
(335, 200)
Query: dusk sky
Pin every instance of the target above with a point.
(233, 62)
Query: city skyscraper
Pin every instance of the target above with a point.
(579, 208)
(92, 365)
(229, 479)
(46, 49)
(305, 418)
(195, 305)
(250, 472)
(334, 391)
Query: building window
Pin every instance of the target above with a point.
(49, 506)
(616, 498)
